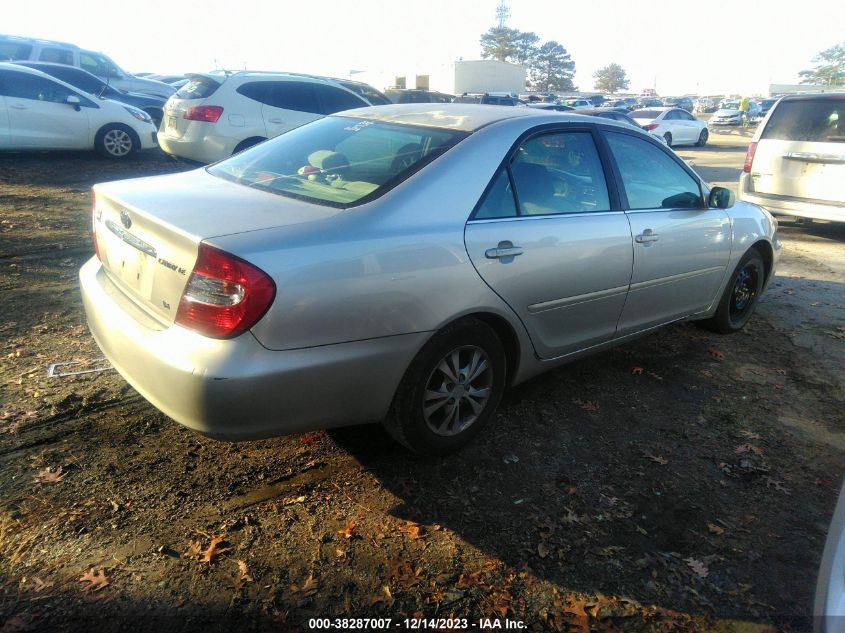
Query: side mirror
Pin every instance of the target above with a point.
(721, 198)
(74, 101)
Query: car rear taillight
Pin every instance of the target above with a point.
(225, 295)
(651, 126)
(209, 114)
(749, 157)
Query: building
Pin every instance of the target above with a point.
(778, 90)
(480, 75)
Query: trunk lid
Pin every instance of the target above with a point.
(148, 230)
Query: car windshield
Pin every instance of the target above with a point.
(338, 161)
(730, 105)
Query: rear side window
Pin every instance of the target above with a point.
(56, 56)
(293, 95)
(814, 120)
(197, 88)
(336, 100)
(14, 50)
(256, 90)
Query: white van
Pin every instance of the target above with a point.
(13, 48)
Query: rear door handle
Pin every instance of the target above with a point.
(647, 236)
(504, 249)
(277, 121)
(18, 106)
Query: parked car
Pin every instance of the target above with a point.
(729, 113)
(597, 100)
(578, 104)
(85, 81)
(685, 103)
(38, 111)
(766, 105)
(358, 268)
(829, 610)
(616, 115)
(648, 102)
(795, 164)
(15, 48)
(218, 114)
(168, 79)
(417, 96)
(555, 107)
(705, 104)
(677, 126)
(488, 99)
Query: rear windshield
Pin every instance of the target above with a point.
(197, 88)
(337, 161)
(820, 120)
(368, 92)
(646, 114)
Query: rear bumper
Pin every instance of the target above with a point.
(237, 389)
(206, 149)
(782, 205)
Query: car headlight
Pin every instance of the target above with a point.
(139, 114)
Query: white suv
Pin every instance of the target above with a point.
(795, 163)
(14, 48)
(218, 114)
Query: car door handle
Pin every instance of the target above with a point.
(647, 237)
(278, 121)
(504, 249)
(18, 106)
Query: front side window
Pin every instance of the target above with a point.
(26, 86)
(337, 161)
(559, 173)
(99, 65)
(651, 177)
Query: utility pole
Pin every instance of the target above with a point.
(502, 13)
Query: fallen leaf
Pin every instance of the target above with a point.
(97, 579)
(214, 550)
(716, 354)
(313, 438)
(750, 435)
(348, 531)
(657, 459)
(243, 570)
(194, 549)
(715, 529)
(587, 405)
(777, 485)
(48, 476)
(743, 449)
(308, 589)
(413, 530)
(637, 371)
(698, 567)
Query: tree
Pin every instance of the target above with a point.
(553, 68)
(830, 68)
(525, 47)
(499, 43)
(611, 78)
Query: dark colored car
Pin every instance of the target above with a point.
(487, 99)
(418, 96)
(597, 100)
(685, 103)
(85, 81)
(766, 105)
(556, 107)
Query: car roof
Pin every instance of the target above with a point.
(466, 117)
(25, 69)
(813, 95)
(36, 40)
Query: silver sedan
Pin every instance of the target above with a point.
(406, 264)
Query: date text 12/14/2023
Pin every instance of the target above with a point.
(414, 624)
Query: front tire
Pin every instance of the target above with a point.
(740, 296)
(702, 138)
(116, 140)
(451, 389)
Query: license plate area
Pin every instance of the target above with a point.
(130, 260)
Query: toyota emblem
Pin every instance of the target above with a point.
(125, 220)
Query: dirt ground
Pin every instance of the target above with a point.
(680, 483)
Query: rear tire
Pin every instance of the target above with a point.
(668, 138)
(116, 140)
(247, 143)
(740, 296)
(451, 389)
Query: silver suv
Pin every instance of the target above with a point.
(795, 163)
(220, 113)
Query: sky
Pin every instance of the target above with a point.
(675, 46)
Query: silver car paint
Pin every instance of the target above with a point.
(358, 293)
